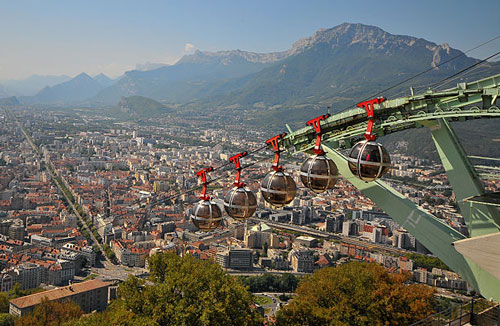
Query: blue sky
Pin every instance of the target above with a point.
(68, 37)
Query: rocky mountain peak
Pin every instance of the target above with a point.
(83, 76)
(227, 57)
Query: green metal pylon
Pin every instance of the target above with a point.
(433, 233)
(481, 219)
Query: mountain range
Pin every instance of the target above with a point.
(31, 85)
(75, 90)
(333, 67)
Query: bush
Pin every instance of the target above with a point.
(6, 319)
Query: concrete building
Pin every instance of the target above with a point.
(306, 241)
(28, 275)
(87, 252)
(260, 234)
(349, 228)
(240, 259)
(302, 261)
(222, 259)
(236, 259)
(401, 239)
(90, 295)
(130, 253)
(334, 224)
(6, 282)
(16, 230)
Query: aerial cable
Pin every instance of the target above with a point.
(464, 70)
(444, 85)
(162, 200)
(193, 188)
(425, 71)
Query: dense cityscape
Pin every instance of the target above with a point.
(264, 163)
(73, 186)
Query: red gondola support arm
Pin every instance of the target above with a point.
(203, 176)
(236, 160)
(276, 147)
(317, 128)
(368, 106)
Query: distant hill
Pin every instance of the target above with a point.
(33, 84)
(72, 91)
(149, 66)
(4, 92)
(193, 76)
(137, 107)
(335, 67)
(9, 101)
(104, 80)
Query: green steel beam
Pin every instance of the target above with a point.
(465, 181)
(484, 158)
(407, 112)
(434, 234)
(466, 101)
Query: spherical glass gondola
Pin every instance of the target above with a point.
(319, 173)
(240, 203)
(206, 215)
(369, 160)
(278, 188)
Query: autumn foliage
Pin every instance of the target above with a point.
(357, 294)
(50, 313)
(180, 291)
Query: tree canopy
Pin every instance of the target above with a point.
(271, 283)
(50, 313)
(357, 294)
(179, 291)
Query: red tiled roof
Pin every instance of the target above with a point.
(67, 291)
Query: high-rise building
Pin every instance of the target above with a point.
(349, 228)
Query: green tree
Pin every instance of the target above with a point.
(357, 294)
(288, 282)
(4, 302)
(427, 262)
(6, 319)
(187, 291)
(51, 313)
(17, 291)
(115, 315)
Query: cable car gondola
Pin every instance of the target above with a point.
(318, 172)
(206, 214)
(278, 188)
(369, 160)
(240, 202)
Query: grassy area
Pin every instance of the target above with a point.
(90, 277)
(262, 300)
(426, 261)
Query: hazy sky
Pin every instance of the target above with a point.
(68, 37)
